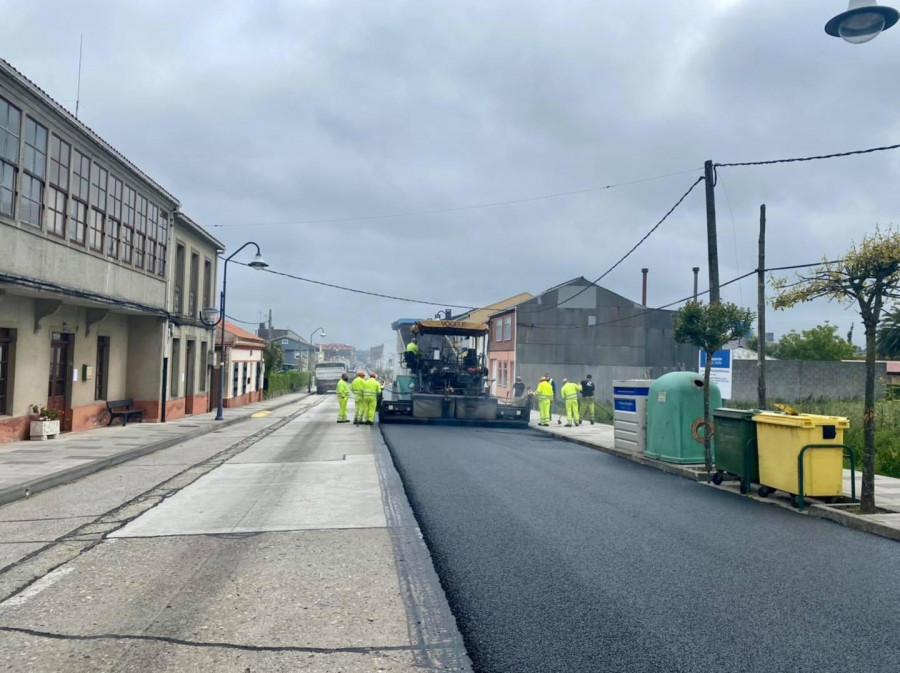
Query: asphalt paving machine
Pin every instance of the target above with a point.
(447, 380)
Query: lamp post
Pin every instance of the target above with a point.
(864, 20)
(209, 313)
(309, 359)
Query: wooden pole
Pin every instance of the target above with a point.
(712, 245)
(761, 308)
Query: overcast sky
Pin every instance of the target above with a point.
(262, 116)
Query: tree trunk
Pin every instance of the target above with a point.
(867, 495)
(707, 430)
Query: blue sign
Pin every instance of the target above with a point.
(720, 360)
(636, 392)
(625, 405)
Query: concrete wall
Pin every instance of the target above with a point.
(144, 370)
(32, 254)
(30, 362)
(795, 380)
(598, 333)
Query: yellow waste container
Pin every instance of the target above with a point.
(781, 437)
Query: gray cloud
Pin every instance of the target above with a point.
(280, 111)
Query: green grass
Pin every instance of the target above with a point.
(887, 428)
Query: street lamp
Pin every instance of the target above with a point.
(864, 20)
(309, 359)
(208, 317)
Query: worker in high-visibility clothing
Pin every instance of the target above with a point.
(343, 395)
(569, 393)
(359, 402)
(544, 394)
(371, 389)
(413, 346)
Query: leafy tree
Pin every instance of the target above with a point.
(869, 274)
(819, 343)
(273, 357)
(887, 339)
(709, 327)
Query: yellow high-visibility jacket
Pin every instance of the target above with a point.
(570, 391)
(358, 385)
(343, 390)
(544, 390)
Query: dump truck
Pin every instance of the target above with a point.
(447, 380)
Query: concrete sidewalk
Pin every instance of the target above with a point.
(30, 467)
(887, 489)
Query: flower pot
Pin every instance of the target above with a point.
(41, 430)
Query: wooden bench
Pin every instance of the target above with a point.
(122, 409)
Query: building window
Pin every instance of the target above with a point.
(204, 360)
(507, 328)
(101, 375)
(78, 221)
(34, 163)
(179, 278)
(114, 212)
(174, 373)
(128, 203)
(31, 199)
(59, 163)
(10, 123)
(56, 212)
(237, 374)
(162, 243)
(7, 188)
(81, 171)
(140, 231)
(258, 376)
(192, 288)
(498, 330)
(284, 342)
(207, 284)
(99, 178)
(112, 238)
(7, 339)
(97, 233)
(35, 159)
(152, 224)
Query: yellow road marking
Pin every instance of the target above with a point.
(260, 414)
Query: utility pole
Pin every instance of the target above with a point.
(712, 245)
(271, 335)
(696, 271)
(761, 309)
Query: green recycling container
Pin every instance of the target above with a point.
(736, 452)
(675, 418)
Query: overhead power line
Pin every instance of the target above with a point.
(813, 158)
(456, 209)
(358, 291)
(627, 254)
(678, 301)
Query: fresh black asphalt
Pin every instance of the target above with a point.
(555, 557)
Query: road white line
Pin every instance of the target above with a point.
(46, 581)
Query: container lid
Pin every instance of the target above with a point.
(738, 414)
(801, 420)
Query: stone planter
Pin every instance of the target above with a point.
(41, 430)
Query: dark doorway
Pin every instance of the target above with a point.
(60, 361)
(189, 390)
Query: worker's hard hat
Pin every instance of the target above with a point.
(543, 378)
(360, 373)
(565, 380)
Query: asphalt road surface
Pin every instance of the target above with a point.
(555, 557)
